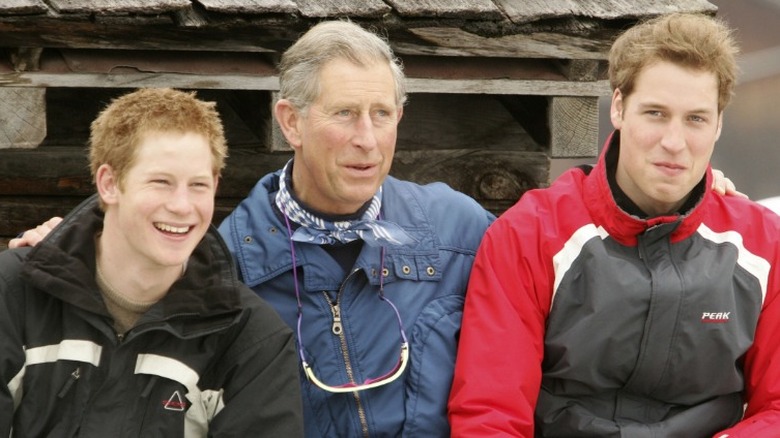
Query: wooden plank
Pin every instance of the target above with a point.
(469, 9)
(343, 8)
(450, 41)
(574, 127)
(250, 6)
(134, 80)
(149, 7)
(499, 86)
(118, 69)
(22, 117)
(525, 11)
(12, 7)
(252, 82)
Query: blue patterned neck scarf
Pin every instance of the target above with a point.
(316, 230)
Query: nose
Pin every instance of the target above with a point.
(365, 134)
(673, 138)
(179, 201)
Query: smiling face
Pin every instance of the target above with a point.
(163, 207)
(668, 128)
(345, 140)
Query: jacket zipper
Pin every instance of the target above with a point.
(338, 330)
(75, 375)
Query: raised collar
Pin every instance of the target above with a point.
(620, 224)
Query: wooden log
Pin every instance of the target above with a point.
(574, 127)
(22, 117)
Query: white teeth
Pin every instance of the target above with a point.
(172, 229)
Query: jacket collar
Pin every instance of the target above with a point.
(625, 227)
(262, 248)
(63, 265)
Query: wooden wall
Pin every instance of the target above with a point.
(476, 143)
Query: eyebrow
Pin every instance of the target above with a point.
(654, 105)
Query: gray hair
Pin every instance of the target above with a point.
(301, 64)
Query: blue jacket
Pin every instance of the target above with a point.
(426, 281)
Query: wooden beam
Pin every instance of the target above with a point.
(236, 71)
(22, 117)
(574, 127)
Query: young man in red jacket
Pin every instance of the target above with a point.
(626, 299)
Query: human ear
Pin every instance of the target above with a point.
(107, 184)
(720, 126)
(616, 109)
(288, 116)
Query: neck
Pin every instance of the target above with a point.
(135, 283)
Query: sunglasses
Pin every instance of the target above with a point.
(390, 376)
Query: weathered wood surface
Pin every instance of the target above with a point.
(522, 11)
(72, 68)
(574, 127)
(337, 8)
(469, 9)
(62, 171)
(250, 6)
(22, 117)
(272, 25)
(115, 7)
(38, 184)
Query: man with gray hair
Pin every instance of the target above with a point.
(370, 271)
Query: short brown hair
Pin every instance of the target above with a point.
(695, 41)
(116, 133)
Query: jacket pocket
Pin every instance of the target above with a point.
(433, 348)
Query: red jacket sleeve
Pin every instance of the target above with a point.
(498, 366)
(762, 375)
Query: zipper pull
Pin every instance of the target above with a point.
(336, 310)
(75, 375)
